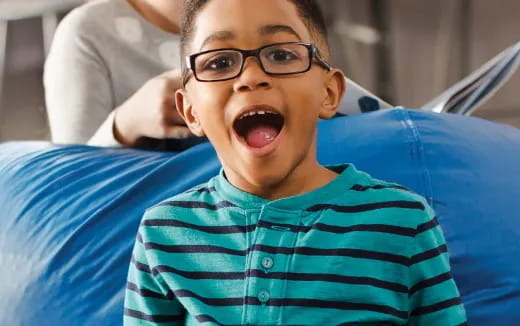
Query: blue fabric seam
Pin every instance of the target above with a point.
(417, 146)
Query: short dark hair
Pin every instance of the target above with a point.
(308, 10)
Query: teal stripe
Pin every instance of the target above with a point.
(179, 236)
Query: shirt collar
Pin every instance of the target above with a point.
(338, 186)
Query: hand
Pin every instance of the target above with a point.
(151, 111)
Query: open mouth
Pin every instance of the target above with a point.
(259, 128)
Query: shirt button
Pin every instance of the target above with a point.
(267, 262)
(264, 296)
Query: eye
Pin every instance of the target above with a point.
(280, 55)
(219, 62)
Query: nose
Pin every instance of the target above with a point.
(252, 77)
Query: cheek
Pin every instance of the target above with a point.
(306, 93)
(307, 105)
(209, 95)
(209, 102)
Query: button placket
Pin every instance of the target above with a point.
(265, 289)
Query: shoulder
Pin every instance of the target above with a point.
(384, 202)
(87, 16)
(200, 196)
(81, 32)
(90, 20)
(382, 189)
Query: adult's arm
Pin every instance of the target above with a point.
(78, 90)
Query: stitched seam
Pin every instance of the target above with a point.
(417, 148)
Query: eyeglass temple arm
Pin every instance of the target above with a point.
(186, 70)
(320, 59)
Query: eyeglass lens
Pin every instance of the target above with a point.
(275, 59)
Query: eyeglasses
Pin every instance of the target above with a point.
(275, 59)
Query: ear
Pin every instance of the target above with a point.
(188, 114)
(334, 90)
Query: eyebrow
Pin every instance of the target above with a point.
(218, 36)
(264, 30)
(273, 29)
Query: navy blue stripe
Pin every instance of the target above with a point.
(367, 207)
(308, 277)
(193, 249)
(203, 228)
(148, 293)
(429, 282)
(308, 251)
(232, 229)
(140, 266)
(199, 275)
(314, 303)
(203, 190)
(208, 319)
(436, 307)
(327, 304)
(382, 228)
(154, 318)
(333, 278)
(367, 324)
(219, 302)
(358, 187)
(195, 204)
(428, 254)
(356, 253)
(427, 225)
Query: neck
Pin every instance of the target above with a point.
(302, 179)
(164, 14)
(295, 184)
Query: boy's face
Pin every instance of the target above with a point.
(263, 150)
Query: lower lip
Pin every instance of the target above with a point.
(262, 151)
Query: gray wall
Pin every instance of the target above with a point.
(22, 111)
(430, 46)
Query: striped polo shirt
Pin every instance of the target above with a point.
(357, 251)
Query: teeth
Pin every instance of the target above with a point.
(253, 113)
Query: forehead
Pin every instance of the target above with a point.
(242, 23)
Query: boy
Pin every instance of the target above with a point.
(275, 238)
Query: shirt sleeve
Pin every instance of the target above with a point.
(104, 135)
(433, 295)
(78, 92)
(148, 300)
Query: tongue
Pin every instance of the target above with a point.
(260, 136)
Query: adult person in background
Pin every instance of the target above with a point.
(112, 72)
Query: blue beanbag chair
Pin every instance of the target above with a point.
(69, 214)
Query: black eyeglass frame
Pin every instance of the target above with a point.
(314, 53)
